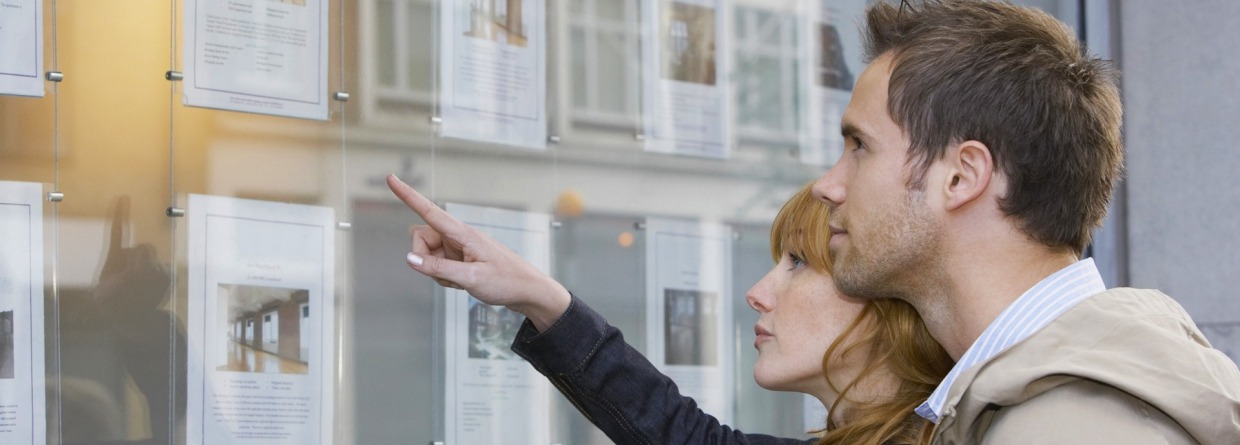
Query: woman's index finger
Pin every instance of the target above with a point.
(434, 216)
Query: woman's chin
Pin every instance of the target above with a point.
(769, 382)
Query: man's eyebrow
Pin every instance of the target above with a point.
(848, 130)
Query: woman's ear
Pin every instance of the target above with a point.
(970, 169)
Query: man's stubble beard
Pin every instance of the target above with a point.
(900, 261)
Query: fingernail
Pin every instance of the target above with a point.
(413, 260)
(397, 178)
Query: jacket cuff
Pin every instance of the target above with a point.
(564, 346)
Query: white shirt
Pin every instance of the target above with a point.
(1035, 309)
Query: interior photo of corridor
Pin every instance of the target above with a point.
(265, 330)
(244, 358)
(6, 345)
(499, 21)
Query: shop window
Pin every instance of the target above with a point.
(765, 81)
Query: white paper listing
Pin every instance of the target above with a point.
(493, 396)
(257, 56)
(494, 71)
(22, 381)
(689, 310)
(685, 86)
(261, 322)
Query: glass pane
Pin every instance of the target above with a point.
(385, 32)
(610, 10)
(759, 87)
(419, 38)
(612, 70)
(772, 26)
(125, 153)
(581, 81)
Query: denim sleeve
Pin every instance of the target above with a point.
(617, 389)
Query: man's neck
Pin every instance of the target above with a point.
(983, 276)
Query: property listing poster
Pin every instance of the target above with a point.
(831, 40)
(492, 396)
(21, 47)
(689, 310)
(685, 83)
(493, 73)
(22, 395)
(261, 322)
(257, 56)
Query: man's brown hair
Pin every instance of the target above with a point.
(1017, 80)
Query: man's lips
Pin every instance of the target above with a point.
(837, 230)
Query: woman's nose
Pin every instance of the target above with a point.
(759, 296)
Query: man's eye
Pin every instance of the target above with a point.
(857, 145)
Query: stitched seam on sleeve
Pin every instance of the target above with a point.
(609, 408)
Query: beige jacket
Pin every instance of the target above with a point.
(1127, 366)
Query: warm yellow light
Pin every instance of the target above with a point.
(626, 239)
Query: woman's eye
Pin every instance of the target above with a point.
(795, 260)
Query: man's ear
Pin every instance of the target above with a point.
(970, 169)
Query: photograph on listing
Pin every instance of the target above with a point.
(267, 329)
(690, 326)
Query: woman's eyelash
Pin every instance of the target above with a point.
(796, 260)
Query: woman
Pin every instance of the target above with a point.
(875, 360)
(871, 363)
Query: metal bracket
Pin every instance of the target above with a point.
(344, 226)
(174, 212)
(341, 96)
(55, 76)
(55, 196)
(435, 120)
(173, 76)
(553, 139)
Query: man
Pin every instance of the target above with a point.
(982, 148)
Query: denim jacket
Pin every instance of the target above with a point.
(617, 389)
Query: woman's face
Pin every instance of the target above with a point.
(800, 314)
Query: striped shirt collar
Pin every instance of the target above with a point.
(1035, 309)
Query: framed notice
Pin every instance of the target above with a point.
(492, 396)
(493, 71)
(261, 322)
(689, 310)
(685, 85)
(257, 56)
(21, 47)
(22, 383)
(831, 42)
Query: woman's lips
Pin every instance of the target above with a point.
(762, 334)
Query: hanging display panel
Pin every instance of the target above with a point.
(832, 46)
(493, 70)
(22, 382)
(685, 84)
(21, 48)
(257, 56)
(689, 310)
(492, 396)
(261, 322)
